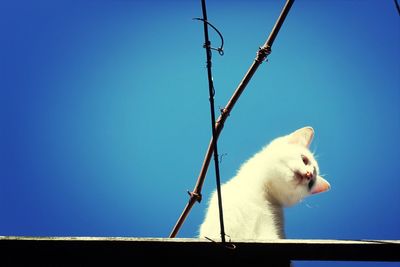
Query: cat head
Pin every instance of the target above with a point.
(295, 171)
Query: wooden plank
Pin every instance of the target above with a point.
(183, 251)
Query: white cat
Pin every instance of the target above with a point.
(280, 175)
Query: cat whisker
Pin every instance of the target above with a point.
(310, 206)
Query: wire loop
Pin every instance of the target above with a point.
(220, 49)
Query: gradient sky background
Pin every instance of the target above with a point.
(104, 112)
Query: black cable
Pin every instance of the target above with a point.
(207, 46)
(397, 6)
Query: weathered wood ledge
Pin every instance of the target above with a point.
(85, 251)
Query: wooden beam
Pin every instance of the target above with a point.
(186, 251)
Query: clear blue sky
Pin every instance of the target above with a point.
(104, 113)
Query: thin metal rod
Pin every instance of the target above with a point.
(262, 54)
(207, 46)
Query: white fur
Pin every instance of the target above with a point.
(253, 200)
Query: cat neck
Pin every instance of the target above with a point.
(277, 210)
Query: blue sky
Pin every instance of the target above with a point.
(104, 116)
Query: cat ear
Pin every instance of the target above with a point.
(302, 136)
(321, 185)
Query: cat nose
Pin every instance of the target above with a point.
(308, 175)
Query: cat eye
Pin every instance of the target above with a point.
(306, 161)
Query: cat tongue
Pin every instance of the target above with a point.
(321, 185)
